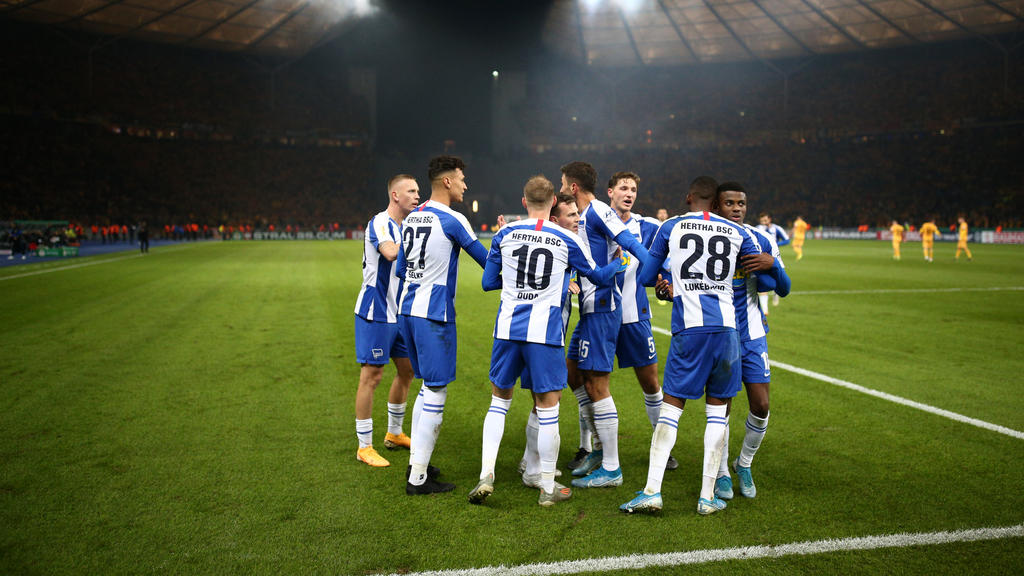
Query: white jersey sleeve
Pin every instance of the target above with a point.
(377, 297)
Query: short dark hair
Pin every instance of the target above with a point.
(441, 164)
(562, 199)
(582, 173)
(730, 186)
(623, 176)
(704, 187)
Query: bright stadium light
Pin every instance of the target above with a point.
(476, 207)
(494, 73)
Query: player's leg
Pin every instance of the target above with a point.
(636, 349)
(494, 421)
(685, 375)
(601, 330)
(723, 383)
(371, 347)
(436, 348)
(586, 413)
(398, 395)
(968, 252)
(547, 392)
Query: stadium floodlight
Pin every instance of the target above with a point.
(476, 207)
(494, 73)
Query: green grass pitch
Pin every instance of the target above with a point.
(191, 412)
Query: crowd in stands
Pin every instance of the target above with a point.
(113, 136)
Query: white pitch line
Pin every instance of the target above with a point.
(905, 290)
(84, 264)
(901, 400)
(886, 396)
(641, 561)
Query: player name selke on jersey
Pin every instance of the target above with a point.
(432, 237)
(702, 250)
(531, 261)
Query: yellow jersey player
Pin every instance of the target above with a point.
(961, 241)
(897, 238)
(928, 233)
(799, 230)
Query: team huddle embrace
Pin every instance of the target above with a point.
(707, 262)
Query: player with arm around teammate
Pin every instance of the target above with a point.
(593, 341)
(432, 237)
(530, 261)
(761, 272)
(634, 347)
(702, 250)
(376, 323)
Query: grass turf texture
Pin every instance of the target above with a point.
(191, 411)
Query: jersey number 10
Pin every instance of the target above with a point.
(527, 265)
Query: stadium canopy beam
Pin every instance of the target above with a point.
(675, 26)
(732, 32)
(835, 25)
(163, 15)
(270, 31)
(1002, 9)
(22, 6)
(793, 37)
(222, 21)
(88, 13)
(629, 34)
(884, 18)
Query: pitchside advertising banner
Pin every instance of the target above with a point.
(978, 236)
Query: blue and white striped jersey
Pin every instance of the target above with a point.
(776, 232)
(749, 321)
(635, 305)
(428, 259)
(377, 301)
(534, 258)
(702, 250)
(599, 225)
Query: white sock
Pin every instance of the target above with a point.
(662, 441)
(396, 417)
(723, 468)
(586, 416)
(417, 409)
(547, 445)
(714, 433)
(364, 432)
(606, 421)
(494, 429)
(762, 300)
(424, 437)
(756, 428)
(532, 454)
(652, 403)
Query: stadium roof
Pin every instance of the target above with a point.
(277, 27)
(678, 32)
(605, 33)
